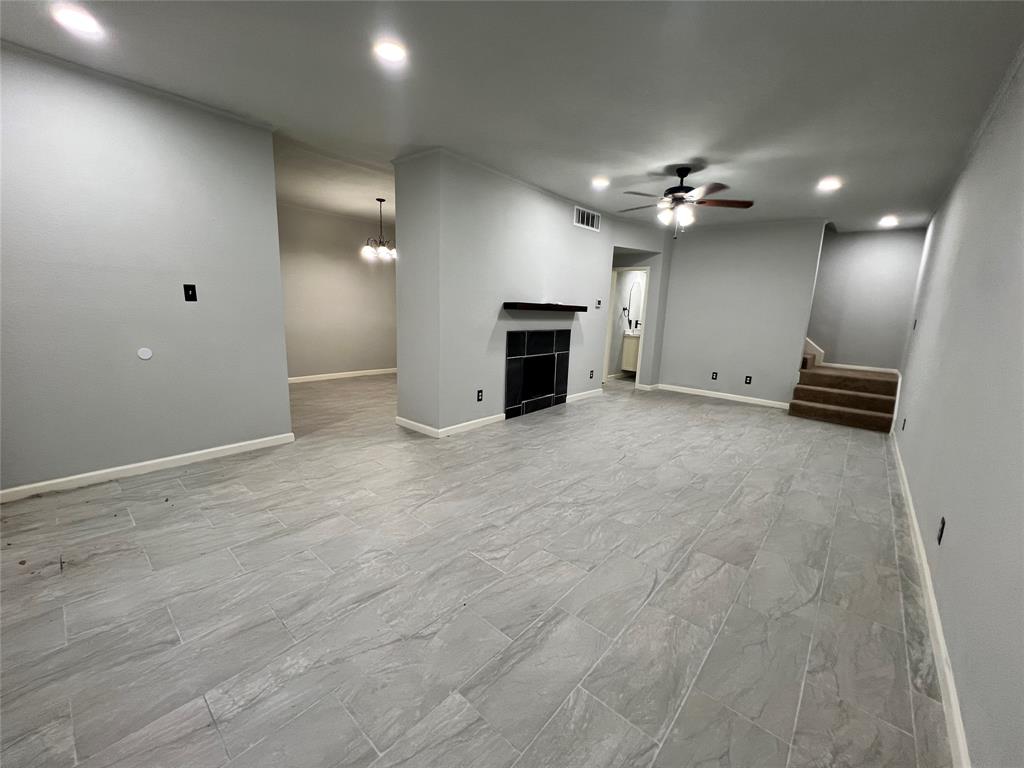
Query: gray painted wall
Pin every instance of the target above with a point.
(495, 239)
(963, 447)
(739, 299)
(619, 324)
(418, 286)
(865, 295)
(339, 309)
(113, 198)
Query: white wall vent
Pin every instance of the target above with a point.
(587, 219)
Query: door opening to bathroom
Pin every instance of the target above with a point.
(626, 305)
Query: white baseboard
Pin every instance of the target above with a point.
(341, 375)
(141, 468)
(646, 387)
(950, 700)
(584, 395)
(859, 368)
(722, 396)
(466, 426)
(455, 429)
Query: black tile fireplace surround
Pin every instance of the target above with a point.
(536, 370)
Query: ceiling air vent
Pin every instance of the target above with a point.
(587, 219)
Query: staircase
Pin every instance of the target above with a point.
(856, 398)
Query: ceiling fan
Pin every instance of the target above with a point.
(674, 201)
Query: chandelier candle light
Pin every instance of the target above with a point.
(378, 247)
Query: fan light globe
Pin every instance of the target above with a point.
(78, 21)
(369, 253)
(665, 216)
(830, 184)
(684, 215)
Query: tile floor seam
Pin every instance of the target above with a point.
(355, 722)
(216, 725)
(605, 705)
(286, 629)
(241, 568)
(817, 611)
(741, 716)
(491, 625)
(696, 674)
(903, 618)
(314, 554)
(593, 666)
(866, 713)
(174, 624)
(74, 739)
(279, 728)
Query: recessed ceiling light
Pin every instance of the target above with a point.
(390, 51)
(888, 222)
(830, 184)
(600, 182)
(78, 21)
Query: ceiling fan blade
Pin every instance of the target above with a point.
(638, 208)
(726, 203)
(706, 189)
(641, 194)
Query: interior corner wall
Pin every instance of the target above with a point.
(963, 444)
(113, 198)
(339, 309)
(418, 286)
(482, 239)
(865, 295)
(738, 303)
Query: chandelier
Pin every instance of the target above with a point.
(378, 247)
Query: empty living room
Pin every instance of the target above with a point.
(511, 384)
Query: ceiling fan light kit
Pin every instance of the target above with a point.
(674, 203)
(378, 247)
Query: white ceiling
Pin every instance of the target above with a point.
(313, 179)
(773, 95)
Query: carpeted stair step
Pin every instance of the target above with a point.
(838, 414)
(864, 401)
(807, 362)
(872, 382)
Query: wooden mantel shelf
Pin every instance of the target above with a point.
(529, 306)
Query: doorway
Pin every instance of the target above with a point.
(627, 305)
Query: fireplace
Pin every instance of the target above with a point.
(536, 370)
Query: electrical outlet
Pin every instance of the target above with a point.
(597, 304)
(591, 373)
(942, 529)
(479, 395)
(747, 379)
(714, 375)
(190, 292)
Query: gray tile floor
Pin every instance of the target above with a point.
(633, 580)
